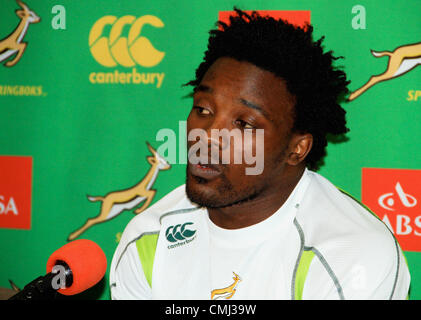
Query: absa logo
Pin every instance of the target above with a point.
(394, 194)
(15, 192)
(387, 200)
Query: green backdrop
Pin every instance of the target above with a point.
(90, 138)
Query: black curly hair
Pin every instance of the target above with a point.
(290, 53)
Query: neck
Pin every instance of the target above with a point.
(259, 208)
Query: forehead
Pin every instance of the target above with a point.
(233, 79)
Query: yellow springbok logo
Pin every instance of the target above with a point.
(126, 51)
(228, 292)
(401, 60)
(116, 202)
(13, 43)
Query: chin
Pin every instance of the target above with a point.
(203, 192)
(218, 193)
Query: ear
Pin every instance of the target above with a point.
(300, 146)
(152, 150)
(151, 160)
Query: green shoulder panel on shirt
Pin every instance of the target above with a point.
(302, 270)
(146, 247)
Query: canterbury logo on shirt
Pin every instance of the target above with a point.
(180, 234)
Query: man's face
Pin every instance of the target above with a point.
(239, 95)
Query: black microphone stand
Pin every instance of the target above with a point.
(42, 287)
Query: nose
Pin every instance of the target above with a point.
(218, 133)
(211, 135)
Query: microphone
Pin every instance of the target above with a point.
(72, 269)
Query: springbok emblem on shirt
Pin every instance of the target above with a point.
(116, 202)
(401, 60)
(13, 43)
(228, 292)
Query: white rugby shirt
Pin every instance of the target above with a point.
(321, 244)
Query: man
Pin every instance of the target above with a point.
(284, 233)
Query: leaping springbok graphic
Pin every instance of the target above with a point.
(228, 292)
(401, 60)
(116, 202)
(13, 44)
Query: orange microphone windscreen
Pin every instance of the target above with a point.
(86, 260)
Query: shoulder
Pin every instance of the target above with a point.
(328, 214)
(126, 269)
(149, 221)
(349, 242)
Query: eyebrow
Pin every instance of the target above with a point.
(202, 88)
(255, 107)
(244, 102)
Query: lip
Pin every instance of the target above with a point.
(208, 171)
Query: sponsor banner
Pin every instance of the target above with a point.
(395, 196)
(295, 17)
(21, 90)
(13, 47)
(401, 60)
(15, 192)
(137, 197)
(82, 88)
(118, 50)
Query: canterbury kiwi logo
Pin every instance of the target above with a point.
(179, 232)
(120, 50)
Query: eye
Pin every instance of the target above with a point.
(244, 125)
(201, 111)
